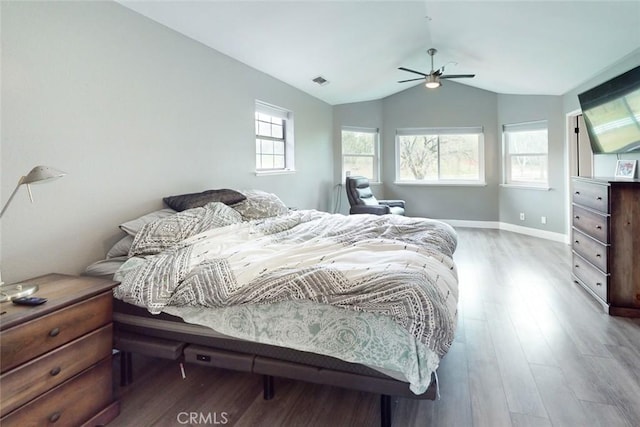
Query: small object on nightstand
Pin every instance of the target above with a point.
(29, 301)
(18, 290)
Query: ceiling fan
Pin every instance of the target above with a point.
(432, 80)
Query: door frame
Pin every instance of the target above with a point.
(572, 162)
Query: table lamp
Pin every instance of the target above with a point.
(39, 174)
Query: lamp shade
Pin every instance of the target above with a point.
(37, 175)
(42, 174)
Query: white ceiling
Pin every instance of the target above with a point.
(515, 47)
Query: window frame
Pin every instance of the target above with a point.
(507, 179)
(287, 137)
(375, 156)
(440, 131)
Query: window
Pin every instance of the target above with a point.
(274, 138)
(360, 152)
(526, 154)
(440, 156)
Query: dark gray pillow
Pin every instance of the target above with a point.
(197, 200)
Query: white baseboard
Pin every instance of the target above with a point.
(472, 224)
(496, 225)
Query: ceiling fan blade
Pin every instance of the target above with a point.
(413, 71)
(411, 80)
(458, 76)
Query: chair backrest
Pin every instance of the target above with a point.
(359, 192)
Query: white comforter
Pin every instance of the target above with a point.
(392, 265)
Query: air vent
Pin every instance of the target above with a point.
(320, 80)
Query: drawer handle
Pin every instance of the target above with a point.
(577, 217)
(598, 227)
(598, 256)
(577, 242)
(577, 266)
(598, 198)
(54, 417)
(577, 192)
(598, 284)
(54, 332)
(55, 371)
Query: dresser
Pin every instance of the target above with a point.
(606, 242)
(55, 358)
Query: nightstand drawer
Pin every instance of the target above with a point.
(593, 278)
(69, 404)
(28, 381)
(591, 250)
(595, 196)
(591, 223)
(31, 339)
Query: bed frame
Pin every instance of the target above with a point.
(169, 337)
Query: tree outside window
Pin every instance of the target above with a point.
(439, 155)
(526, 154)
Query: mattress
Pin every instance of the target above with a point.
(132, 319)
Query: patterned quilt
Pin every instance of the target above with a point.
(397, 267)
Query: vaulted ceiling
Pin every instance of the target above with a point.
(514, 47)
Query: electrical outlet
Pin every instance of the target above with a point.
(543, 219)
(521, 216)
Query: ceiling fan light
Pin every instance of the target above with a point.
(433, 82)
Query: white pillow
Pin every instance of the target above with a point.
(260, 204)
(105, 267)
(133, 226)
(163, 233)
(121, 248)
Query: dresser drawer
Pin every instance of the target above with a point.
(595, 196)
(591, 223)
(591, 250)
(69, 404)
(28, 381)
(590, 276)
(31, 339)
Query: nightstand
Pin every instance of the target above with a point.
(55, 358)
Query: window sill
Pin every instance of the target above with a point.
(443, 183)
(526, 187)
(276, 172)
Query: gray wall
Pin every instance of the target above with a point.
(453, 104)
(133, 112)
(361, 114)
(537, 203)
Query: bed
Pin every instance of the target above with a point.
(364, 302)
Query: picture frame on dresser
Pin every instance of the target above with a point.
(626, 169)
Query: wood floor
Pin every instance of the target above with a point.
(532, 349)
